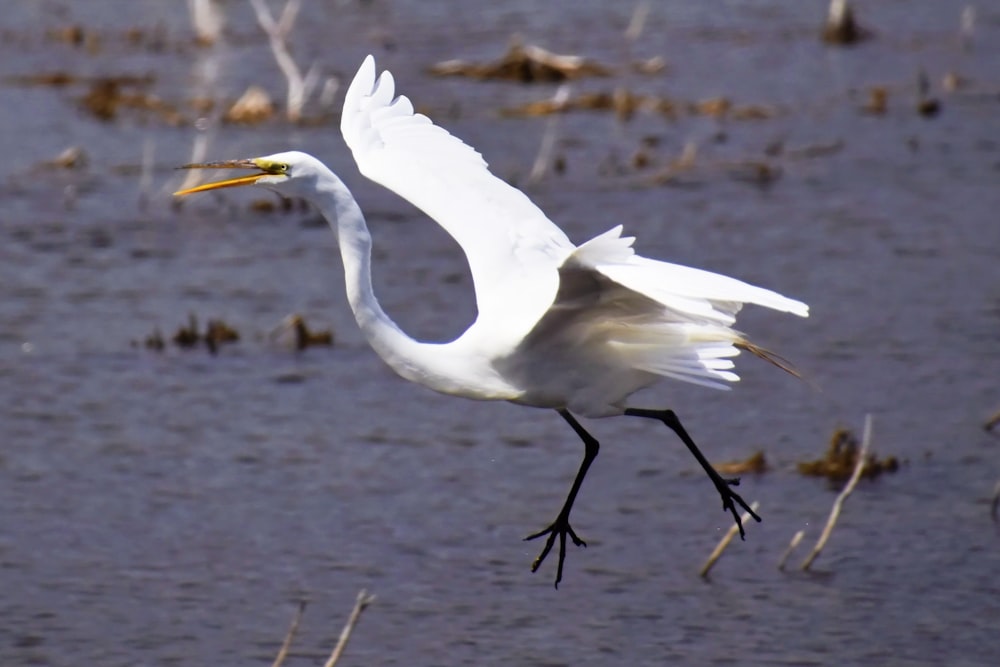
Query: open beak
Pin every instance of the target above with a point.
(229, 182)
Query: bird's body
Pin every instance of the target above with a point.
(573, 328)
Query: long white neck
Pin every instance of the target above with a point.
(442, 367)
(348, 222)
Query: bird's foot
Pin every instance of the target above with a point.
(561, 528)
(728, 496)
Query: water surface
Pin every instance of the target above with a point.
(172, 508)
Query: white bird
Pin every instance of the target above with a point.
(577, 329)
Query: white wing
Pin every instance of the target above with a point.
(648, 316)
(513, 250)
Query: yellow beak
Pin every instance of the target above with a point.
(229, 182)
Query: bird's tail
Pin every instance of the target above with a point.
(687, 351)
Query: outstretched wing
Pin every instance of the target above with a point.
(514, 251)
(649, 316)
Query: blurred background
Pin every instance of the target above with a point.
(168, 496)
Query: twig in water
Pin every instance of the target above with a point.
(791, 547)
(299, 87)
(839, 502)
(724, 542)
(362, 601)
(545, 150)
(207, 20)
(285, 645)
(638, 21)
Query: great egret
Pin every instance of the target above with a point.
(576, 329)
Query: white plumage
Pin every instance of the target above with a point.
(515, 253)
(574, 328)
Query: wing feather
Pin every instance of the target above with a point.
(655, 317)
(514, 251)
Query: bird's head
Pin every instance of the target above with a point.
(291, 173)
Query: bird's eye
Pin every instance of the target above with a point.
(283, 168)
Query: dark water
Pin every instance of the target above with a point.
(172, 508)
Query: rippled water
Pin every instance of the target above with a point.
(164, 508)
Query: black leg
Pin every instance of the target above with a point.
(561, 525)
(669, 418)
